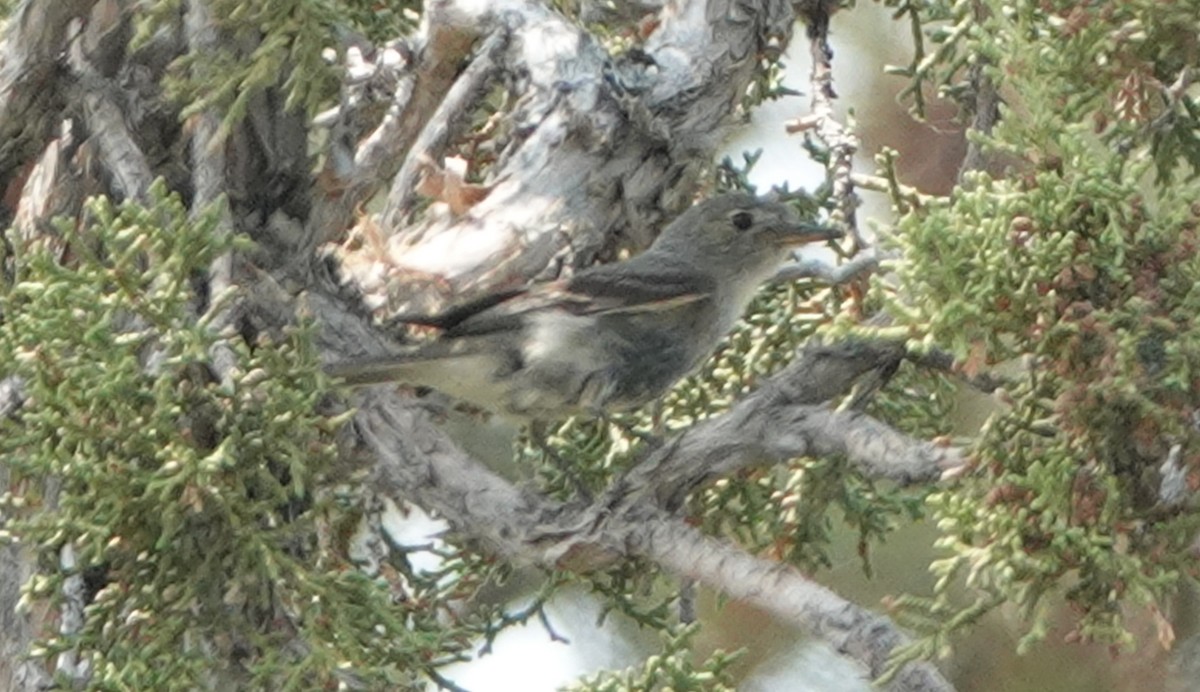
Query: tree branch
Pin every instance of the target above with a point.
(118, 151)
(417, 74)
(31, 99)
(602, 148)
(589, 130)
(781, 590)
(414, 461)
(55, 186)
(445, 124)
(986, 107)
(788, 417)
(864, 264)
(209, 167)
(840, 139)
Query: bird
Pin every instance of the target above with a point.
(611, 337)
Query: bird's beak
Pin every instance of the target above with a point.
(792, 234)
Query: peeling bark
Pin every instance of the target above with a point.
(31, 91)
(600, 151)
(603, 149)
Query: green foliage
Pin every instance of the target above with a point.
(382, 21)
(672, 669)
(268, 45)
(789, 511)
(767, 84)
(785, 508)
(1081, 267)
(1125, 66)
(944, 25)
(194, 504)
(1124, 62)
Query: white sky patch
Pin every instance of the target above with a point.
(525, 658)
(413, 527)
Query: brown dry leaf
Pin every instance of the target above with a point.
(432, 181)
(372, 237)
(448, 184)
(1132, 102)
(976, 359)
(647, 25)
(192, 498)
(1166, 632)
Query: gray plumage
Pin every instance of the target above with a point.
(611, 337)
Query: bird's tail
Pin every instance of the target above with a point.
(426, 364)
(374, 370)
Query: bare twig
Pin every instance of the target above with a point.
(445, 123)
(119, 152)
(71, 617)
(864, 264)
(414, 75)
(839, 138)
(876, 183)
(209, 176)
(789, 416)
(939, 359)
(986, 108)
(30, 96)
(783, 591)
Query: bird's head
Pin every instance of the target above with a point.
(740, 231)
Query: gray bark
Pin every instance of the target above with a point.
(599, 151)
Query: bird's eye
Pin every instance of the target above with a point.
(742, 220)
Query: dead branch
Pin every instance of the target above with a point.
(31, 98)
(602, 149)
(415, 461)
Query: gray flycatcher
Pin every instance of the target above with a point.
(611, 337)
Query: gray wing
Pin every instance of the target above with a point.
(607, 289)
